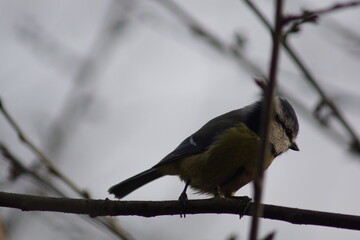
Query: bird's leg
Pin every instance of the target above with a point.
(183, 196)
(183, 199)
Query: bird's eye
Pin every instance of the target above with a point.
(288, 133)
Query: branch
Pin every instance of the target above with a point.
(18, 168)
(41, 156)
(213, 41)
(200, 31)
(113, 24)
(267, 116)
(355, 143)
(310, 15)
(95, 208)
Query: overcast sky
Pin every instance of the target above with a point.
(152, 83)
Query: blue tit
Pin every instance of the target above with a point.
(221, 156)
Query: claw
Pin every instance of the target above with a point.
(244, 204)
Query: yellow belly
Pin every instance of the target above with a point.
(225, 167)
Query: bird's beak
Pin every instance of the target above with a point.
(294, 147)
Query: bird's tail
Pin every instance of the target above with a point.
(127, 186)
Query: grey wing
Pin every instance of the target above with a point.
(201, 140)
(186, 148)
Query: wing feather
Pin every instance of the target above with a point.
(201, 140)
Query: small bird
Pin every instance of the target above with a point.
(221, 156)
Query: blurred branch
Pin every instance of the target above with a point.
(325, 100)
(86, 76)
(115, 21)
(247, 64)
(350, 38)
(193, 25)
(19, 168)
(41, 156)
(95, 208)
(211, 39)
(49, 49)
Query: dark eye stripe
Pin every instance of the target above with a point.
(281, 122)
(278, 120)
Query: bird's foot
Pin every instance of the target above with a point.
(244, 204)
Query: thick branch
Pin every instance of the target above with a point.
(106, 207)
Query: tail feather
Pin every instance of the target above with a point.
(127, 186)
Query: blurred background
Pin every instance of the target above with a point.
(107, 88)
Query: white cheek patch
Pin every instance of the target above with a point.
(279, 139)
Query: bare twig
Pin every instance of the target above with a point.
(44, 45)
(267, 117)
(95, 208)
(355, 142)
(309, 15)
(86, 77)
(189, 21)
(41, 156)
(312, 16)
(114, 24)
(350, 38)
(17, 164)
(20, 169)
(210, 38)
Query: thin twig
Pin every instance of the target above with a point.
(247, 64)
(22, 169)
(267, 117)
(86, 78)
(310, 14)
(114, 24)
(210, 38)
(95, 208)
(18, 167)
(355, 142)
(41, 156)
